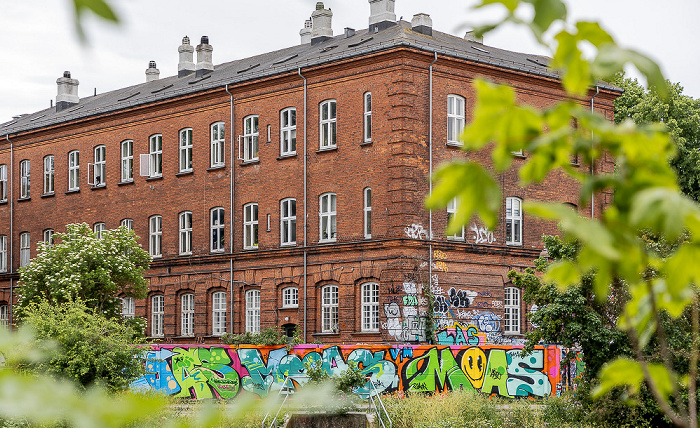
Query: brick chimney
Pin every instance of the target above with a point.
(381, 15)
(321, 24)
(305, 33)
(67, 92)
(422, 23)
(204, 61)
(152, 73)
(186, 64)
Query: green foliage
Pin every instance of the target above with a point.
(268, 336)
(83, 268)
(86, 347)
(100, 8)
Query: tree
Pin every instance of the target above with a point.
(82, 267)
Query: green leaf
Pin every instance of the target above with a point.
(620, 372)
(593, 33)
(611, 59)
(546, 12)
(563, 273)
(99, 7)
(663, 210)
(511, 5)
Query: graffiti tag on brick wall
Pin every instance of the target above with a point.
(482, 235)
(416, 231)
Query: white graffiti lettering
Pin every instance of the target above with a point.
(482, 235)
(416, 231)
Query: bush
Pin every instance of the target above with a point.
(269, 336)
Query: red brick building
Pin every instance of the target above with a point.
(287, 189)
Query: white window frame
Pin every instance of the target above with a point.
(49, 175)
(155, 236)
(218, 144)
(367, 122)
(218, 313)
(99, 228)
(250, 226)
(290, 297)
(367, 212)
(328, 227)
(452, 206)
(252, 311)
(25, 168)
(25, 249)
(100, 168)
(73, 170)
(288, 131)
(128, 307)
(185, 149)
(157, 315)
(217, 225)
(3, 183)
(128, 223)
(370, 307)
(288, 221)
(514, 221)
(511, 310)
(155, 155)
(187, 315)
(48, 236)
(251, 138)
(127, 161)
(4, 317)
(329, 308)
(328, 117)
(455, 118)
(185, 222)
(3, 253)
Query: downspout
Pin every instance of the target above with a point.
(230, 212)
(430, 179)
(305, 206)
(12, 225)
(597, 91)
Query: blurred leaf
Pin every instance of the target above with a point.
(621, 372)
(511, 5)
(611, 59)
(593, 33)
(546, 12)
(100, 8)
(663, 210)
(563, 273)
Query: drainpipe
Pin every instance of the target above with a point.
(12, 225)
(430, 162)
(597, 91)
(230, 211)
(305, 204)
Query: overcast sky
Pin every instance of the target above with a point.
(39, 41)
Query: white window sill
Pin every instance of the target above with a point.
(514, 244)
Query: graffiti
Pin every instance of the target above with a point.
(461, 298)
(457, 334)
(416, 231)
(482, 235)
(409, 287)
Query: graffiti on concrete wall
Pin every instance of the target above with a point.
(225, 371)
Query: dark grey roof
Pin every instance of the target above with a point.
(281, 61)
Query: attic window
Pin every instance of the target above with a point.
(130, 96)
(199, 80)
(362, 41)
(162, 89)
(534, 61)
(250, 67)
(480, 50)
(285, 59)
(37, 118)
(327, 48)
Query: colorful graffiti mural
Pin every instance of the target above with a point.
(223, 371)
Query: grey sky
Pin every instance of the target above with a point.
(38, 49)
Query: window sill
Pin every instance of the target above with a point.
(221, 251)
(101, 186)
(514, 244)
(159, 256)
(24, 199)
(455, 238)
(185, 254)
(249, 162)
(125, 183)
(288, 244)
(184, 173)
(327, 149)
(216, 168)
(366, 143)
(289, 307)
(48, 195)
(3, 202)
(155, 178)
(250, 248)
(326, 333)
(287, 156)
(512, 333)
(365, 333)
(327, 241)
(454, 144)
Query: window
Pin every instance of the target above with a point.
(451, 212)
(24, 179)
(3, 183)
(48, 237)
(185, 233)
(250, 138)
(455, 118)
(186, 150)
(250, 226)
(217, 144)
(370, 306)
(4, 317)
(24, 249)
(218, 313)
(511, 307)
(100, 170)
(290, 297)
(98, 228)
(252, 311)
(288, 131)
(328, 124)
(157, 315)
(155, 158)
(128, 307)
(73, 170)
(3, 253)
(127, 223)
(217, 230)
(288, 221)
(368, 212)
(368, 117)
(155, 235)
(48, 175)
(327, 215)
(329, 309)
(514, 221)
(127, 160)
(187, 313)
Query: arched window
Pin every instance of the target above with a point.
(327, 217)
(99, 173)
(217, 144)
(155, 155)
(25, 179)
(288, 131)
(327, 124)
(48, 236)
(367, 193)
(250, 226)
(98, 228)
(288, 221)
(370, 306)
(24, 249)
(155, 235)
(3, 253)
(251, 135)
(368, 117)
(73, 170)
(252, 311)
(128, 307)
(455, 118)
(48, 175)
(186, 150)
(329, 309)
(514, 221)
(511, 307)
(157, 315)
(127, 160)
(216, 227)
(185, 220)
(451, 211)
(4, 316)
(290, 297)
(187, 314)
(218, 313)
